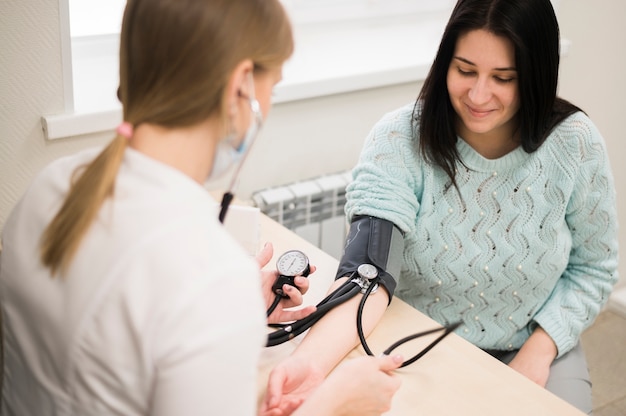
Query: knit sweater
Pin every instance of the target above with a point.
(528, 239)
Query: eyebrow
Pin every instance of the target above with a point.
(511, 68)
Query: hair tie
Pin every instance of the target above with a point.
(125, 129)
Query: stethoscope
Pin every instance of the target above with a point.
(244, 148)
(365, 280)
(294, 262)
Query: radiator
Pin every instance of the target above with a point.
(313, 209)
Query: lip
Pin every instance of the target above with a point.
(478, 113)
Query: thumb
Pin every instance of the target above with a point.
(390, 362)
(274, 388)
(265, 255)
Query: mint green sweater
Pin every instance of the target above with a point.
(531, 239)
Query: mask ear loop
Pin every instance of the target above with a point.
(255, 125)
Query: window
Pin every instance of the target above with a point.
(88, 18)
(321, 11)
(341, 45)
(93, 18)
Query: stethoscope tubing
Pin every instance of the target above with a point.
(347, 291)
(288, 331)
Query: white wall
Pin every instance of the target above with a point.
(31, 85)
(301, 139)
(308, 138)
(592, 76)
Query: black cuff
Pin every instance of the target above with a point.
(374, 241)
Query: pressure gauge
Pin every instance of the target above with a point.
(289, 265)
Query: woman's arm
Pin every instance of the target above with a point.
(591, 216)
(535, 357)
(326, 344)
(386, 183)
(348, 390)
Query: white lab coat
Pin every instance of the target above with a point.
(160, 312)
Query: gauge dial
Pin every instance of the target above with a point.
(290, 264)
(293, 263)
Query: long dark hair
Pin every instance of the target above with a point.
(532, 27)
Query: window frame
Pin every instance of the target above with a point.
(308, 74)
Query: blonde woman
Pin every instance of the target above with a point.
(121, 292)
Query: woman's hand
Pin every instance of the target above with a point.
(268, 277)
(290, 383)
(535, 357)
(362, 386)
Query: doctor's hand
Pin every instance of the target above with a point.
(268, 277)
(296, 388)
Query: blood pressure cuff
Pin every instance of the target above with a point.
(375, 241)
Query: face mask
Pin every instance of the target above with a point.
(226, 155)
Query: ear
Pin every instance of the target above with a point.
(238, 84)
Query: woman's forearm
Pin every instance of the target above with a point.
(541, 346)
(535, 357)
(335, 335)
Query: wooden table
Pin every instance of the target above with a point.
(455, 378)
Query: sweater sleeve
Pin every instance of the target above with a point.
(387, 180)
(591, 216)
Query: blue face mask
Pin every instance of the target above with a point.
(226, 155)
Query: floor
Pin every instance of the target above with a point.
(605, 347)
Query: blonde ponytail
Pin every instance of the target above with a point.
(94, 185)
(175, 60)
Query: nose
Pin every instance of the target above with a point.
(480, 92)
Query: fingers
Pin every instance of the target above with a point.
(270, 412)
(265, 255)
(281, 315)
(386, 365)
(275, 388)
(282, 409)
(294, 294)
(302, 283)
(297, 314)
(390, 362)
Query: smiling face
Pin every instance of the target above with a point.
(483, 89)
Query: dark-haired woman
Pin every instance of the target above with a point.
(504, 198)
